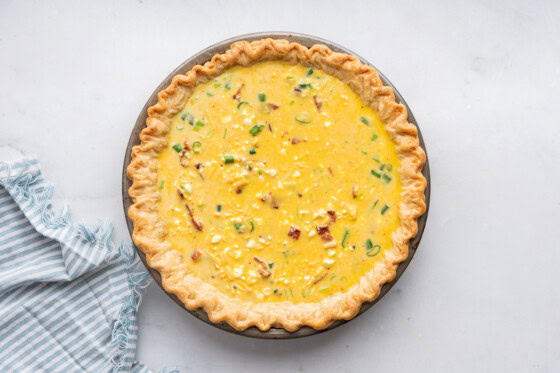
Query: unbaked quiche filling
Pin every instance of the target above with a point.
(279, 184)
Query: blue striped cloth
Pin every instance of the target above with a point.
(68, 295)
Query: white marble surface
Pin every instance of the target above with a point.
(482, 293)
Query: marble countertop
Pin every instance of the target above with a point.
(483, 80)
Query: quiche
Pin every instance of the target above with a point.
(276, 186)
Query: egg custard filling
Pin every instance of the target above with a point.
(278, 184)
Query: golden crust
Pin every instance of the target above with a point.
(150, 233)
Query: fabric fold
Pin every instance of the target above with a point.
(68, 295)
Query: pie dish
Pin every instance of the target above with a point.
(276, 186)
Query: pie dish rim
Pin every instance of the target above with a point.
(363, 305)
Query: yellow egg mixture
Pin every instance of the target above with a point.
(279, 184)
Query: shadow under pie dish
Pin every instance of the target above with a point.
(276, 186)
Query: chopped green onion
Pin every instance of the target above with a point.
(389, 167)
(373, 251)
(384, 209)
(309, 72)
(373, 136)
(186, 115)
(242, 103)
(209, 94)
(178, 148)
(225, 132)
(256, 129)
(228, 85)
(219, 208)
(364, 151)
(345, 237)
(302, 121)
(289, 77)
(238, 226)
(234, 287)
(387, 178)
(375, 173)
(376, 159)
(324, 288)
(304, 85)
(292, 102)
(382, 167)
(180, 127)
(251, 224)
(270, 265)
(228, 159)
(369, 244)
(364, 121)
(275, 291)
(262, 97)
(374, 204)
(161, 184)
(198, 125)
(217, 84)
(195, 146)
(252, 151)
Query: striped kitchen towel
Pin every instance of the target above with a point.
(68, 295)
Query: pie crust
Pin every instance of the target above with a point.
(150, 233)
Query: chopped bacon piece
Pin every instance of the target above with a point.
(236, 95)
(319, 278)
(327, 237)
(180, 192)
(268, 197)
(318, 103)
(238, 190)
(294, 233)
(300, 195)
(198, 165)
(272, 106)
(196, 255)
(354, 191)
(196, 223)
(330, 171)
(263, 272)
(295, 141)
(332, 215)
(297, 90)
(269, 127)
(184, 156)
(324, 232)
(322, 229)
